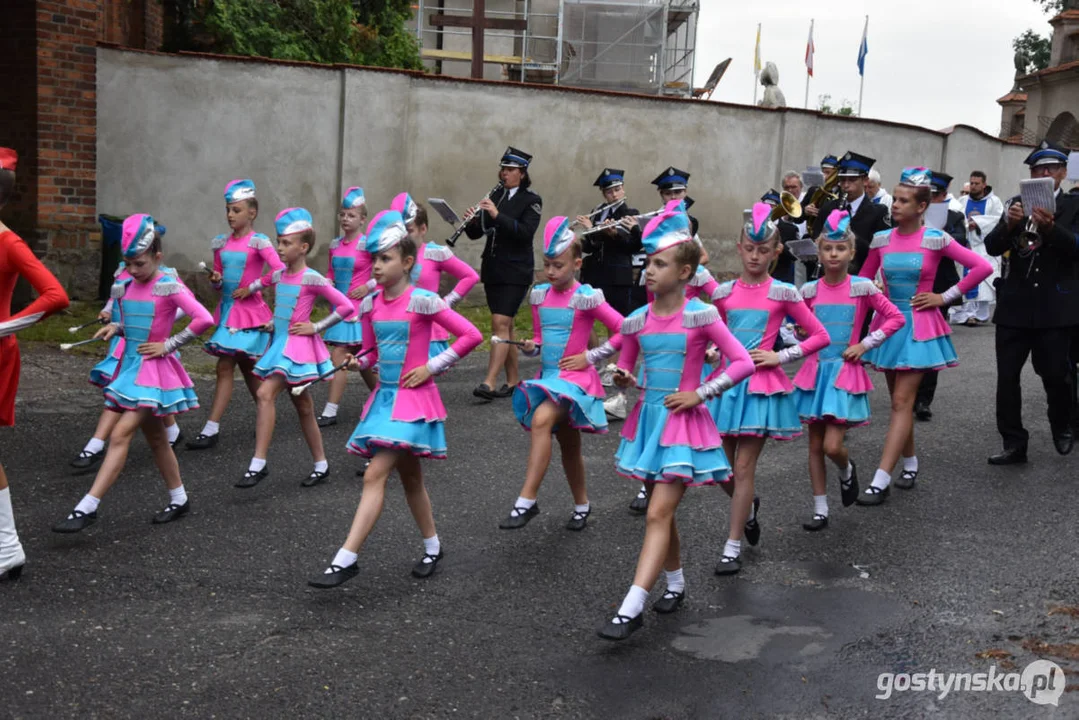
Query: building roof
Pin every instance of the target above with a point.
(1016, 97)
(1063, 67)
(1066, 15)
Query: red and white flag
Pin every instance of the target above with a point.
(809, 50)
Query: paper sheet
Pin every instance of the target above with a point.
(937, 215)
(1073, 165)
(1038, 193)
(444, 210)
(803, 249)
(812, 176)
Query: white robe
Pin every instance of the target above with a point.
(994, 210)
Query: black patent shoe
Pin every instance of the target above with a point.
(1063, 441)
(922, 412)
(620, 630)
(324, 421)
(504, 392)
(202, 442)
(252, 478)
(906, 480)
(728, 565)
(519, 517)
(873, 495)
(640, 503)
(178, 440)
(87, 460)
(77, 521)
(13, 573)
(819, 522)
(849, 490)
(752, 529)
(670, 602)
(315, 478)
(1014, 456)
(337, 576)
(426, 566)
(172, 512)
(578, 520)
(484, 392)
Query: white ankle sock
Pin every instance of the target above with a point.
(343, 559)
(633, 604)
(320, 467)
(173, 432)
(210, 428)
(330, 410)
(820, 505)
(587, 507)
(256, 465)
(88, 504)
(8, 537)
(431, 546)
(94, 446)
(524, 503)
(178, 496)
(752, 512)
(845, 473)
(676, 580)
(910, 464)
(733, 548)
(642, 493)
(882, 479)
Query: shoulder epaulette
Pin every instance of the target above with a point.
(783, 292)
(539, 293)
(699, 314)
(587, 297)
(425, 302)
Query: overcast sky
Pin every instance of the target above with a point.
(958, 51)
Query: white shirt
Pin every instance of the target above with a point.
(855, 204)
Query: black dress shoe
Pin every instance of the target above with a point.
(519, 517)
(171, 512)
(849, 491)
(202, 442)
(179, 437)
(819, 522)
(670, 602)
(426, 566)
(578, 520)
(753, 528)
(324, 421)
(504, 392)
(620, 630)
(315, 478)
(484, 392)
(728, 565)
(336, 576)
(1063, 441)
(906, 480)
(922, 411)
(77, 521)
(13, 573)
(873, 495)
(1013, 456)
(252, 478)
(86, 460)
(639, 505)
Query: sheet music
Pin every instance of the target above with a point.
(812, 176)
(803, 249)
(444, 210)
(1073, 165)
(937, 215)
(1038, 193)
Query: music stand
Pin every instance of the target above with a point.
(713, 79)
(444, 210)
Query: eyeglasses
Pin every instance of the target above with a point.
(1044, 170)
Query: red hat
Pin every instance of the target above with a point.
(8, 159)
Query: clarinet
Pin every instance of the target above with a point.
(452, 241)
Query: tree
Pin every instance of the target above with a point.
(824, 105)
(1053, 7)
(360, 32)
(1031, 52)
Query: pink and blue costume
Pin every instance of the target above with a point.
(828, 388)
(562, 322)
(240, 260)
(763, 405)
(349, 269)
(659, 445)
(147, 313)
(908, 265)
(397, 336)
(431, 261)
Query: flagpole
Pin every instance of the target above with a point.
(861, 84)
(756, 72)
(808, 74)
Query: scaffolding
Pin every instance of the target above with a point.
(646, 46)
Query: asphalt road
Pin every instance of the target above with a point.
(211, 616)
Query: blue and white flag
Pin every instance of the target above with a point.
(863, 50)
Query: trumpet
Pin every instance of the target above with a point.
(452, 240)
(638, 218)
(826, 191)
(599, 211)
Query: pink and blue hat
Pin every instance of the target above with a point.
(669, 228)
(557, 236)
(916, 177)
(137, 234)
(238, 190)
(837, 225)
(760, 227)
(293, 220)
(405, 205)
(386, 230)
(353, 198)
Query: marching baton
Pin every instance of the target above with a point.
(298, 390)
(623, 373)
(76, 328)
(497, 340)
(67, 346)
(206, 268)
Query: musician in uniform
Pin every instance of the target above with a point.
(947, 276)
(608, 259)
(508, 220)
(785, 262)
(1037, 306)
(866, 218)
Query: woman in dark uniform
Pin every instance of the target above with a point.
(508, 219)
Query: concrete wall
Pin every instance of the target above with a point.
(172, 130)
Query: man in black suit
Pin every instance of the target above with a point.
(1037, 307)
(508, 221)
(866, 218)
(788, 233)
(956, 226)
(608, 254)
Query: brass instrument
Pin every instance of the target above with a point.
(826, 191)
(452, 240)
(788, 207)
(1029, 238)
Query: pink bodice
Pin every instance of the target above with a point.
(431, 261)
(349, 268)
(240, 261)
(295, 298)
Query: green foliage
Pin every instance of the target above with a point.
(1031, 52)
(824, 105)
(1053, 7)
(364, 32)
